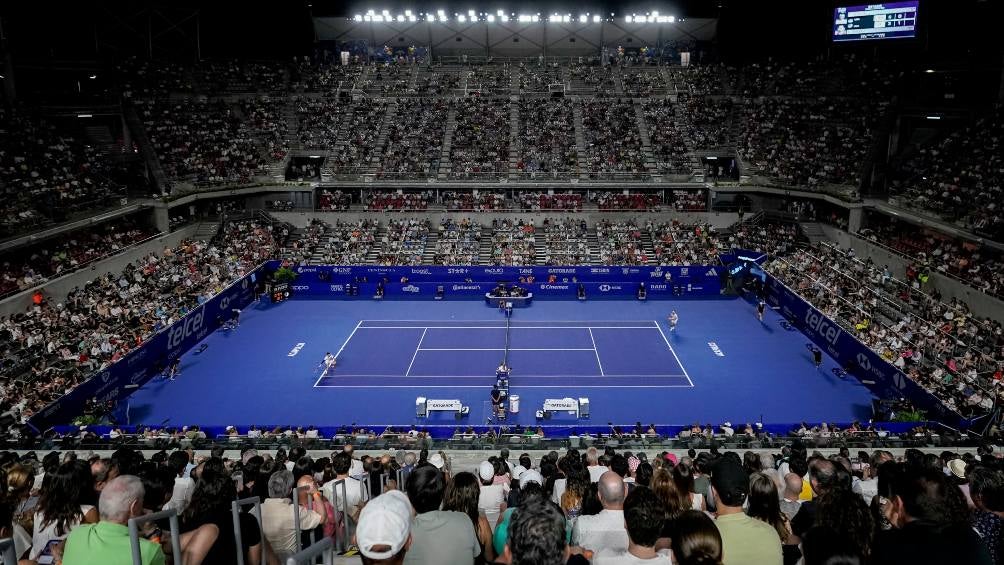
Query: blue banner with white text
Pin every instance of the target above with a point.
(120, 379)
(882, 378)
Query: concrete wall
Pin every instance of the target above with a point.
(58, 289)
(718, 220)
(981, 303)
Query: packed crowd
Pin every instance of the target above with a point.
(945, 348)
(976, 265)
(480, 145)
(709, 124)
(333, 201)
(809, 142)
(458, 242)
(263, 117)
(346, 243)
(513, 242)
(568, 508)
(689, 200)
(46, 172)
(529, 201)
(620, 243)
(613, 143)
(669, 147)
(626, 201)
(567, 242)
(201, 142)
(489, 79)
(640, 82)
(349, 131)
(437, 82)
(395, 201)
(414, 141)
(546, 143)
(404, 242)
(63, 255)
(960, 177)
(475, 201)
(675, 243)
(52, 346)
(234, 75)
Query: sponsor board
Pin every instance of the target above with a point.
(412, 289)
(296, 349)
(457, 287)
(190, 325)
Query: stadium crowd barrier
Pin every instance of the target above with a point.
(120, 379)
(880, 377)
(473, 282)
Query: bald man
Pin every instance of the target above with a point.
(606, 530)
(789, 496)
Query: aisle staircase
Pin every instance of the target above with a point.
(813, 231)
(580, 141)
(429, 257)
(381, 140)
(445, 164)
(646, 141)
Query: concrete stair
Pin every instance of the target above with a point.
(514, 143)
(813, 231)
(485, 253)
(445, 165)
(206, 231)
(593, 244)
(648, 246)
(373, 257)
(381, 139)
(429, 256)
(646, 141)
(580, 141)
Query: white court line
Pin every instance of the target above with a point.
(348, 338)
(591, 338)
(533, 321)
(502, 349)
(517, 376)
(346, 342)
(514, 387)
(417, 348)
(684, 369)
(503, 327)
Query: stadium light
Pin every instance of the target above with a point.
(490, 18)
(583, 18)
(378, 18)
(412, 18)
(461, 18)
(358, 17)
(81, 115)
(407, 13)
(535, 18)
(596, 19)
(554, 18)
(672, 19)
(400, 17)
(934, 117)
(627, 19)
(929, 71)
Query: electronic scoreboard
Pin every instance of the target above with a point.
(894, 20)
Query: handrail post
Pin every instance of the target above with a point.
(322, 548)
(133, 524)
(235, 510)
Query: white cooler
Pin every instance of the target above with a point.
(514, 403)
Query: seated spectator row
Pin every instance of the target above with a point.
(458, 243)
(546, 143)
(414, 141)
(613, 142)
(201, 142)
(480, 145)
(513, 242)
(397, 201)
(475, 201)
(566, 242)
(56, 345)
(404, 242)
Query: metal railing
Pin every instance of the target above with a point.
(7, 551)
(235, 511)
(323, 549)
(134, 523)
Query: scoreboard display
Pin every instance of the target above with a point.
(280, 292)
(894, 20)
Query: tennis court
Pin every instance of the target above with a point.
(541, 353)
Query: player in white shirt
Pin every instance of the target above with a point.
(329, 362)
(673, 319)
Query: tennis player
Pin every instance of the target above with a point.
(329, 362)
(760, 306)
(673, 319)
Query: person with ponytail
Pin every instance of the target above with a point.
(696, 540)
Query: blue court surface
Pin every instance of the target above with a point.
(721, 364)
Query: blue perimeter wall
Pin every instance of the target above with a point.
(882, 378)
(471, 283)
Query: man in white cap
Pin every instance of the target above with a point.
(492, 498)
(384, 532)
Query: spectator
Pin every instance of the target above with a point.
(643, 517)
(107, 541)
(744, 539)
(930, 522)
(463, 495)
(537, 537)
(986, 486)
(530, 491)
(606, 530)
(764, 506)
(61, 506)
(278, 519)
(341, 463)
(181, 494)
(825, 546)
(214, 491)
(438, 536)
(789, 498)
(696, 540)
(384, 531)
